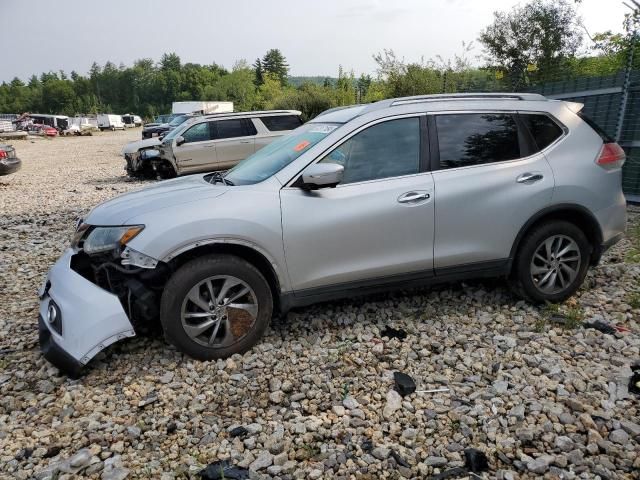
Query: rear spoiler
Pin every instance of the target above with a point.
(575, 107)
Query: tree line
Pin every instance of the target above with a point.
(534, 43)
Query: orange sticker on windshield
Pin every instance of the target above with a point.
(301, 146)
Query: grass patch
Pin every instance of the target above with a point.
(633, 299)
(569, 316)
(633, 235)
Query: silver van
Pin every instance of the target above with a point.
(220, 141)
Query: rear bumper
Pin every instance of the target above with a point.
(9, 166)
(90, 318)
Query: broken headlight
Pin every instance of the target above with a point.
(105, 239)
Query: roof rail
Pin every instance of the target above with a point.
(256, 112)
(466, 96)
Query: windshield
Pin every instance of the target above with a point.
(172, 134)
(178, 120)
(278, 154)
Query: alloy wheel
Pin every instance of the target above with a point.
(555, 264)
(219, 311)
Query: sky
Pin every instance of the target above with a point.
(314, 36)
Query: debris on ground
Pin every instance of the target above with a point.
(223, 470)
(393, 333)
(404, 384)
(475, 462)
(634, 381)
(238, 432)
(601, 327)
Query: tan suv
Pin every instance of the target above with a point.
(220, 141)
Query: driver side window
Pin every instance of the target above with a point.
(384, 150)
(197, 133)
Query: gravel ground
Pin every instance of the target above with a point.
(531, 388)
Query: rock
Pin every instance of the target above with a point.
(410, 434)
(435, 461)
(113, 469)
(541, 464)
(517, 412)
(315, 474)
(381, 453)
(133, 432)
(394, 403)
(404, 384)
(263, 460)
(350, 403)
(631, 428)
(500, 386)
(339, 410)
(117, 447)
(564, 443)
(619, 436)
(280, 459)
(525, 435)
(166, 378)
(276, 397)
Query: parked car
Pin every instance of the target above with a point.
(108, 121)
(220, 141)
(131, 121)
(398, 193)
(42, 130)
(59, 122)
(160, 119)
(9, 162)
(152, 130)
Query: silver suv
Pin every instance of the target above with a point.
(220, 141)
(398, 193)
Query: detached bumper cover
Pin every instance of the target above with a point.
(9, 165)
(91, 318)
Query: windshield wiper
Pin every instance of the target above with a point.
(217, 176)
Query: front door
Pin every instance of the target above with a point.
(198, 152)
(376, 226)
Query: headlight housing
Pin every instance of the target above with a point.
(105, 239)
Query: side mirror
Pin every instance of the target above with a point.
(321, 175)
(179, 140)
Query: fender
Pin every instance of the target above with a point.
(561, 208)
(282, 280)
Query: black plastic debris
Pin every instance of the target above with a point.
(52, 451)
(399, 460)
(634, 382)
(601, 327)
(367, 446)
(238, 432)
(475, 461)
(171, 428)
(394, 333)
(223, 470)
(404, 384)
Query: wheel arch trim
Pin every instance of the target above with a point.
(556, 209)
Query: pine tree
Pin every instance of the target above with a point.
(259, 72)
(275, 64)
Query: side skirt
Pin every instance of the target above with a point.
(301, 298)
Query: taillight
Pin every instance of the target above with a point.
(611, 156)
(3, 154)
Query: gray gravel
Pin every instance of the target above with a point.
(315, 396)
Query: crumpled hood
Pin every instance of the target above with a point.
(161, 195)
(132, 147)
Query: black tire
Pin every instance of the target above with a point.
(197, 270)
(522, 280)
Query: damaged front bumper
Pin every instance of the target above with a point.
(77, 318)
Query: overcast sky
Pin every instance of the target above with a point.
(315, 36)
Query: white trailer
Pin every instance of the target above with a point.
(202, 107)
(109, 121)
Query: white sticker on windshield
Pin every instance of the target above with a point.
(326, 129)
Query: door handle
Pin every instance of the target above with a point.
(529, 178)
(246, 141)
(413, 197)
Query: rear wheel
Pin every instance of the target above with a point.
(552, 262)
(216, 306)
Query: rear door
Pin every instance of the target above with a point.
(198, 152)
(489, 181)
(234, 140)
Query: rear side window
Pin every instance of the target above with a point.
(476, 138)
(249, 127)
(281, 122)
(543, 129)
(230, 129)
(198, 133)
(606, 138)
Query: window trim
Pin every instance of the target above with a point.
(189, 127)
(423, 150)
(524, 137)
(563, 127)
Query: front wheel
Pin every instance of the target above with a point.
(552, 262)
(215, 306)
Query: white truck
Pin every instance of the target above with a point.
(202, 107)
(109, 121)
